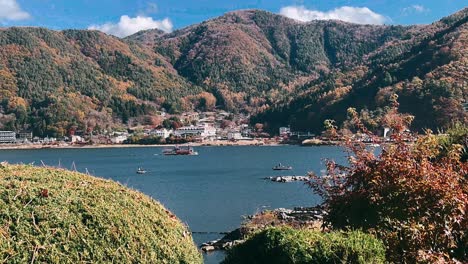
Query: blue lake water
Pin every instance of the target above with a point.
(210, 192)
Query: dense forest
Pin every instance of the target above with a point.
(429, 72)
(56, 82)
(280, 71)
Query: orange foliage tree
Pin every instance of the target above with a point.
(411, 195)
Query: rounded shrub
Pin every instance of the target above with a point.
(56, 216)
(287, 245)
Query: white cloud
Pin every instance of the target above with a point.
(128, 25)
(415, 9)
(10, 10)
(359, 15)
(418, 8)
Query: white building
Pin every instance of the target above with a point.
(202, 131)
(234, 135)
(25, 136)
(162, 133)
(49, 140)
(207, 120)
(189, 117)
(119, 139)
(77, 139)
(7, 137)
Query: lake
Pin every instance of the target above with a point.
(210, 192)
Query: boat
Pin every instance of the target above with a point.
(141, 171)
(175, 151)
(282, 167)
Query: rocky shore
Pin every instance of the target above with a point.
(298, 217)
(286, 179)
(229, 240)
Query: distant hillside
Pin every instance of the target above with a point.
(428, 69)
(52, 81)
(282, 71)
(254, 58)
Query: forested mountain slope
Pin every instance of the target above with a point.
(428, 69)
(282, 71)
(252, 58)
(52, 81)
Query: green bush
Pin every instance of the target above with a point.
(457, 134)
(56, 216)
(287, 245)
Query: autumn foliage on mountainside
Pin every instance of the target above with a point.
(412, 196)
(52, 82)
(281, 71)
(427, 68)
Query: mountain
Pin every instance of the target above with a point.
(427, 68)
(281, 71)
(253, 58)
(287, 72)
(53, 81)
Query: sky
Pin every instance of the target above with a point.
(125, 17)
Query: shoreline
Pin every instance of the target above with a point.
(103, 146)
(216, 143)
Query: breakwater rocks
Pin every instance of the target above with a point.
(301, 214)
(299, 217)
(285, 179)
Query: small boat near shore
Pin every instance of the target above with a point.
(281, 167)
(141, 171)
(176, 151)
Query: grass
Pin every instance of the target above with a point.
(300, 246)
(56, 216)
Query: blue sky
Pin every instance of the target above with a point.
(123, 17)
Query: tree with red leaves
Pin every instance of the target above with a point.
(414, 196)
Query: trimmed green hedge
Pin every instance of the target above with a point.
(287, 245)
(57, 216)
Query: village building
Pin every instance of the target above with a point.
(189, 117)
(7, 137)
(207, 120)
(100, 139)
(162, 133)
(246, 131)
(119, 139)
(234, 135)
(205, 131)
(24, 136)
(77, 139)
(49, 140)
